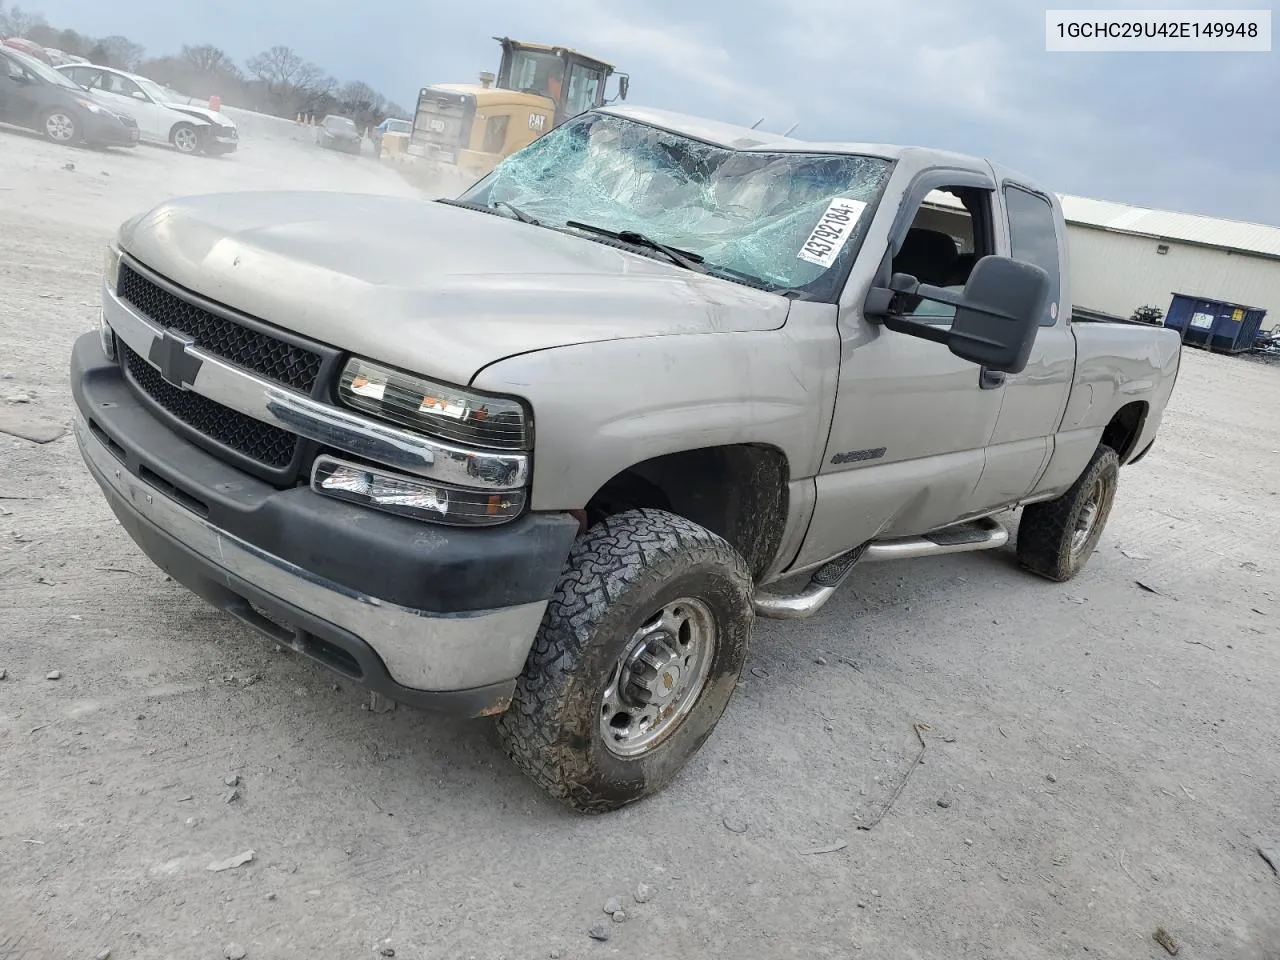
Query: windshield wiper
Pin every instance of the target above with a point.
(472, 205)
(519, 214)
(684, 258)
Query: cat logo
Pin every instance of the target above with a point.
(537, 121)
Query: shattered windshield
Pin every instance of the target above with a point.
(781, 220)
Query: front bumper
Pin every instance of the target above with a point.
(107, 131)
(177, 502)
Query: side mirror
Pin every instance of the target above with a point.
(624, 84)
(138, 95)
(996, 317)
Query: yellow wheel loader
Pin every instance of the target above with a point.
(465, 129)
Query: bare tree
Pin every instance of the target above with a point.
(208, 59)
(276, 67)
(359, 97)
(18, 22)
(43, 34)
(122, 53)
(311, 81)
(73, 43)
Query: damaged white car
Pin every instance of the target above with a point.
(161, 116)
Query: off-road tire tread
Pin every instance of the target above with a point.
(1044, 532)
(602, 564)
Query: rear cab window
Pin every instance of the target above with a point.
(1033, 237)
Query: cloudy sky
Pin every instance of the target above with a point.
(1192, 131)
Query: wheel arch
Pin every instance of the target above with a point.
(737, 491)
(1124, 429)
(200, 126)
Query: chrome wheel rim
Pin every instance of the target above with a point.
(658, 679)
(60, 127)
(185, 140)
(1090, 513)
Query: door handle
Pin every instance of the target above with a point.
(990, 379)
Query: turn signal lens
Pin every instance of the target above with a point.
(106, 336)
(443, 411)
(412, 497)
(111, 266)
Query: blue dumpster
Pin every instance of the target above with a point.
(1214, 324)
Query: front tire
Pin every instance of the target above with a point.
(636, 659)
(59, 126)
(1057, 537)
(185, 138)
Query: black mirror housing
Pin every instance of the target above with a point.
(624, 84)
(996, 317)
(996, 322)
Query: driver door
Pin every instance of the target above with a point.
(912, 420)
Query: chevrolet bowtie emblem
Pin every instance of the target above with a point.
(169, 355)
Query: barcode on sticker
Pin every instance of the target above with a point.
(833, 229)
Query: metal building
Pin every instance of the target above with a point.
(1125, 257)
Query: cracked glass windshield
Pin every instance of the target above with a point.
(780, 220)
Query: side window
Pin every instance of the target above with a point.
(114, 83)
(14, 69)
(1033, 237)
(951, 231)
(584, 87)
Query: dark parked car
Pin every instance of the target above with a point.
(34, 95)
(339, 133)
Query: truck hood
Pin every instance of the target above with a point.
(438, 289)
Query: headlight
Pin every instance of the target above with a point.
(446, 412)
(111, 266)
(413, 497)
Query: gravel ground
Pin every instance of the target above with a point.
(1102, 758)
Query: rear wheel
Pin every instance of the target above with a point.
(1057, 537)
(59, 126)
(185, 138)
(636, 659)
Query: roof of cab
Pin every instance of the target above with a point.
(553, 48)
(738, 137)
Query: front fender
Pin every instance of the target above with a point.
(599, 408)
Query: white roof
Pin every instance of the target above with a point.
(1257, 238)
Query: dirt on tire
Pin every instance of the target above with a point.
(617, 573)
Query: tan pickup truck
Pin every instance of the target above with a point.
(546, 450)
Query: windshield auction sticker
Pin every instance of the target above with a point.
(832, 231)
